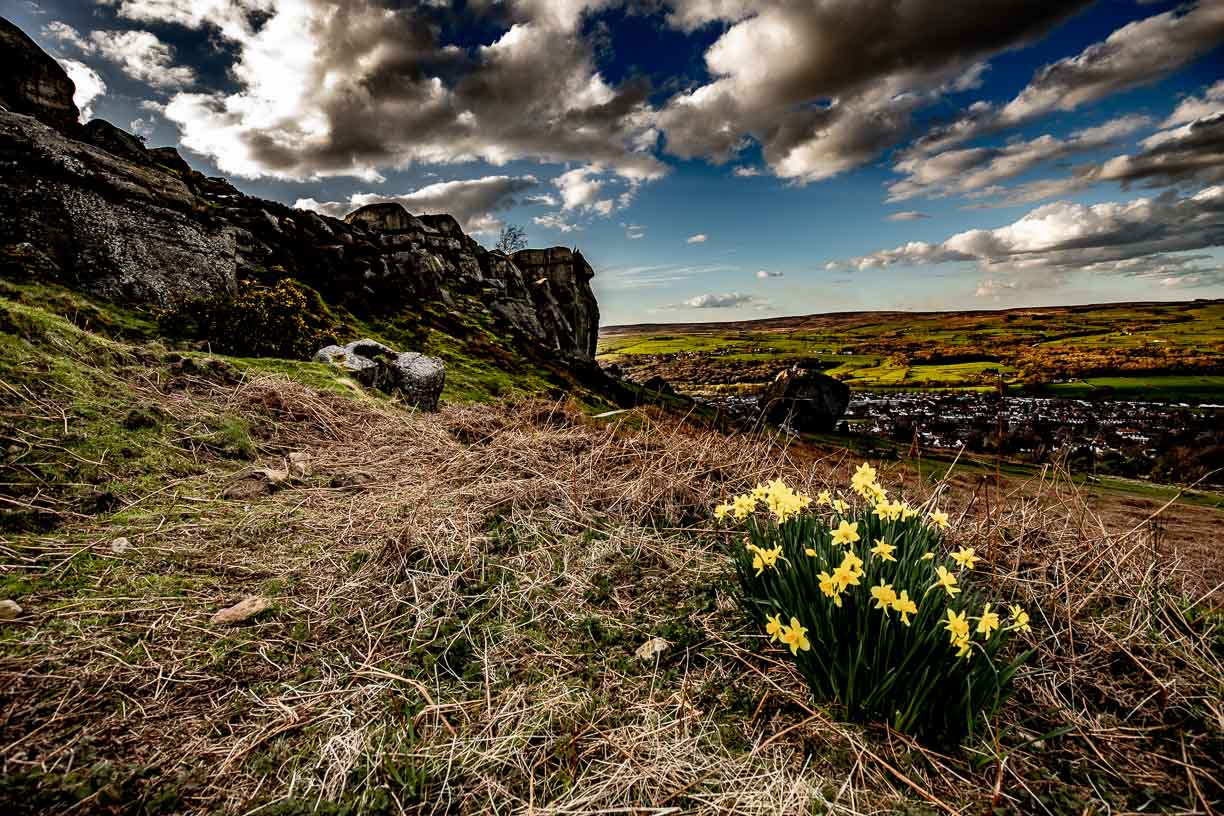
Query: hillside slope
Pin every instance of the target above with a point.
(454, 603)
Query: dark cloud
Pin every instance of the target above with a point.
(1136, 54)
(826, 86)
(350, 87)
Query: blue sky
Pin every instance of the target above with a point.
(714, 159)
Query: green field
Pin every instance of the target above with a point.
(1165, 351)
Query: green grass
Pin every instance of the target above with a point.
(1170, 387)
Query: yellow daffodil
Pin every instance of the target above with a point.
(1020, 619)
(829, 586)
(883, 511)
(845, 576)
(946, 580)
(743, 505)
(808, 551)
(763, 559)
(721, 511)
(846, 533)
(840, 506)
(905, 606)
(963, 647)
(864, 476)
(927, 556)
(939, 518)
(988, 622)
(759, 492)
(908, 512)
(957, 626)
(883, 550)
(884, 596)
(824, 499)
(876, 493)
(773, 628)
(853, 562)
(795, 636)
(965, 557)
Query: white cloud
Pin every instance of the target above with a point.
(143, 57)
(765, 274)
(907, 215)
(543, 200)
(962, 171)
(142, 127)
(66, 34)
(745, 171)
(473, 202)
(1138, 53)
(89, 86)
(1198, 107)
(723, 300)
(699, 238)
(1137, 238)
(555, 221)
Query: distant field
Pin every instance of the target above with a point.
(1164, 351)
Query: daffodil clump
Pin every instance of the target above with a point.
(881, 616)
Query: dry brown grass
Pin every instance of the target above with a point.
(458, 599)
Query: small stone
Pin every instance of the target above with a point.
(240, 612)
(120, 545)
(9, 609)
(299, 464)
(255, 483)
(652, 649)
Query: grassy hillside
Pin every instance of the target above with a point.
(1162, 350)
(456, 600)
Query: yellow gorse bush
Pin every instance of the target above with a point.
(880, 615)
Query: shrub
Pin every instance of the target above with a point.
(880, 617)
(288, 319)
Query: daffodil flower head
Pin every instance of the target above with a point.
(824, 499)
(795, 636)
(905, 606)
(743, 505)
(884, 596)
(760, 492)
(864, 476)
(830, 587)
(946, 580)
(1020, 619)
(721, 511)
(773, 628)
(963, 647)
(845, 576)
(965, 557)
(846, 533)
(763, 559)
(883, 550)
(853, 562)
(939, 518)
(957, 625)
(927, 556)
(988, 622)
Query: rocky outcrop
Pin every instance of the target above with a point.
(805, 400)
(34, 83)
(418, 378)
(123, 222)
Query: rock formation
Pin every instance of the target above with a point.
(416, 377)
(806, 400)
(93, 208)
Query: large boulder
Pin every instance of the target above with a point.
(385, 217)
(416, 377)
(805, 400)
(34, 84)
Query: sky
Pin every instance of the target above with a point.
(713, 159)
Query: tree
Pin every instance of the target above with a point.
(512, 239)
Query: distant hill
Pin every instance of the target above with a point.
(1162, 350)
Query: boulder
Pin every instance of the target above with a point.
(657, 383)
(34, 84)
(418, 378)
(805, 400)
(117, 142)
(386, 217)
